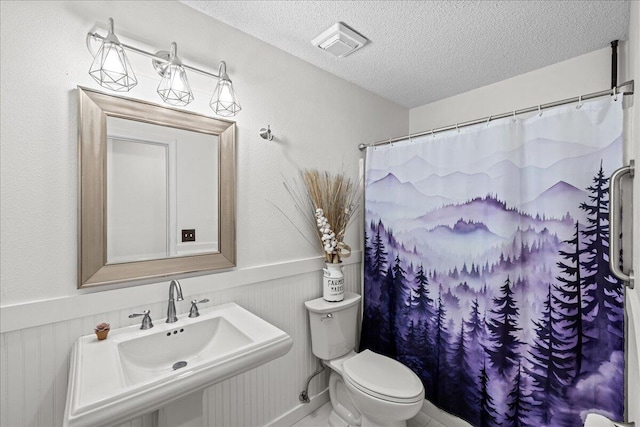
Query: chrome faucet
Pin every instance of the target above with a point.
(171, 309)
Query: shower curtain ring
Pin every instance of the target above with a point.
(488, 120)
(539, 111)
(433, 134)
(514, 116)
(579, 102)
(457, 128)
(615, 93)
(390, 143)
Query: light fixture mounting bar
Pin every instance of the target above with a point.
(96, 36)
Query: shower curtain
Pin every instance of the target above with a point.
(486, 266)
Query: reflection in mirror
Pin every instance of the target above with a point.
(160, 181)
(156, 191)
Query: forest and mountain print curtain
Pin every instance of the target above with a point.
(486, 266)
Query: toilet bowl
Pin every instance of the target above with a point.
(383, 389)
(372, 390)
(366, 389)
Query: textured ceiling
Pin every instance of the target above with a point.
(422, 51)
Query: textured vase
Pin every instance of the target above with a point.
(333, 282)
(102, 334)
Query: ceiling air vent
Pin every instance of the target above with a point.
(339, 40)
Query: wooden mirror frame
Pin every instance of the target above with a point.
(93, 270)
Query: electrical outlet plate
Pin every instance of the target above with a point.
(189, 235)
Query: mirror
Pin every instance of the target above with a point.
(162, 191)
(156, 191)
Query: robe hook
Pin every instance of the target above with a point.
(266, 133)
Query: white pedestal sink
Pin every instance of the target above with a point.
(184, 412)
(135, 371)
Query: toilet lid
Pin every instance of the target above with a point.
(383, 377)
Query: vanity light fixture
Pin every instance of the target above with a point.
(174, 87)
(224, 102)
(111, 69)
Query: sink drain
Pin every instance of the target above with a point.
(179, 365)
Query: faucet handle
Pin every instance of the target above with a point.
(146, 320)
(194, 308)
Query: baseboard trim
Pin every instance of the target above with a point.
(302, 410)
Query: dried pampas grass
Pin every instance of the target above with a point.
(328, 202)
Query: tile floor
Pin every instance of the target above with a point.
(320, 418)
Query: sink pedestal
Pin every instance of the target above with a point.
(184, 412)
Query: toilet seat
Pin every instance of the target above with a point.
(382, 377)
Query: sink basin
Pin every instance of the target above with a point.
(135, 371)
(153, 355)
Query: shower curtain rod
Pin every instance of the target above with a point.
(613, 91)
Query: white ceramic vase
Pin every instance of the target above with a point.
(333, 282)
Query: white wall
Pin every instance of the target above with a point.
(318, 120)
(197, 189)
(577, 76)
(581, 75)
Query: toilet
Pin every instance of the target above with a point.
(366, 389)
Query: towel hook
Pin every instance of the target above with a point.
(266, 133)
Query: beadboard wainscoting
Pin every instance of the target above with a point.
(34, 360)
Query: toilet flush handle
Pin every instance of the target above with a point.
(329, 316)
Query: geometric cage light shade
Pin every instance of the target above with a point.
(110, 67)
(224, 101)
(112, 70)
(174, 88)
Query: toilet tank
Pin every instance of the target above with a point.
(333, 325)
